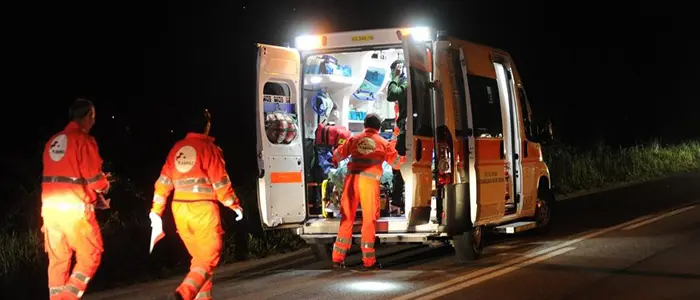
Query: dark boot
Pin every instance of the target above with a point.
(338, 266)
(375, 266)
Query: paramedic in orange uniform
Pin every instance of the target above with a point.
(72, 178)
(195, 169)
(367, 151)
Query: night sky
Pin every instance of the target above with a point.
(622, 73)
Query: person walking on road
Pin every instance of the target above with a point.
(367, 151)
(71, 187)
(195, 169)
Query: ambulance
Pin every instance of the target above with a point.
(473, 159)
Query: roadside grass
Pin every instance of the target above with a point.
(601, 166)
(126, 230)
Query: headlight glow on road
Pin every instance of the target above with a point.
(373, 286)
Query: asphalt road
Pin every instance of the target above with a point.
(637, 242)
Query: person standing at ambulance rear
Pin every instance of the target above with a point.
(72, 178)
(196, 171)
(397, 92)
(367, 151)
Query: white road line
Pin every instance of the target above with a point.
(652, 220)
(500, 272)
(480, 272)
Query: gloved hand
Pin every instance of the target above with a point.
(239, 212)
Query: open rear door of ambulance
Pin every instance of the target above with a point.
(281, 194)
(419, 132)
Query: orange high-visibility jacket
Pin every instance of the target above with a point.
(72, 171)
(367, 151)
(196, 170)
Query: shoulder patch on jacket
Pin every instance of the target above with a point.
(58, 146)
(185, 157)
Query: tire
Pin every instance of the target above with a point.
(322, 252)
(469, 245)
(544, 210)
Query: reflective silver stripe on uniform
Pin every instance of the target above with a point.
(195, 189)
(190, 181)
(165, 180)
(68, 206)
(80, 276)
(55, 290)
(191, 282)
(336, 248)
(74, 290)
(203, 295)
(368, 254)
(397, 161)
(367, 245)
(63, 179)
(228, 202)
(96, 178)
(368, 161)
(201, 272)
(342, 240)
(224, 181)
(365, 174)
(158, 199)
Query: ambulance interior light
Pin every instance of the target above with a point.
(308, 42)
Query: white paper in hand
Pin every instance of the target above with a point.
(156, 230)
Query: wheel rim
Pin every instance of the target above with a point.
(542, 212)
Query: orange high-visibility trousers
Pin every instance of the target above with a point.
(63, 235)
(199, 226)
(363, 190)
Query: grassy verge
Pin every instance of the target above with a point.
(126, 229)
(580, 169)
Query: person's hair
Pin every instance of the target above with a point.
(373, 121)
(196, 121)
(80, 109)
(396, 62)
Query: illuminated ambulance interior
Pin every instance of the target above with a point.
(339, 89)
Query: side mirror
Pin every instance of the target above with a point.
(545, 132)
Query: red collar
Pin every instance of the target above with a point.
(73, 126)
(371, 130)
(200, 136)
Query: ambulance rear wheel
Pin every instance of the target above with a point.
(322, 252)
(469, 245)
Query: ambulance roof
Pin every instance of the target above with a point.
(360, 38)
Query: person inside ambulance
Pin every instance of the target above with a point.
(397, 92)
(367, 151)
(71, 186)
(196, 171)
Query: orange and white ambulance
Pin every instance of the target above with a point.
(473, 161)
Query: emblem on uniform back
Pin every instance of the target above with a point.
(185, 158)
(58, 146)
(366, 145)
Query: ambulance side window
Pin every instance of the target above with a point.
(422, 107)
(524, 103)
(279, 113)
(461, 102)
(486, 106)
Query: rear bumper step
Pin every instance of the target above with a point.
(515, 227)
(382, 237)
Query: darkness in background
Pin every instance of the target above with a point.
(618, 72)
